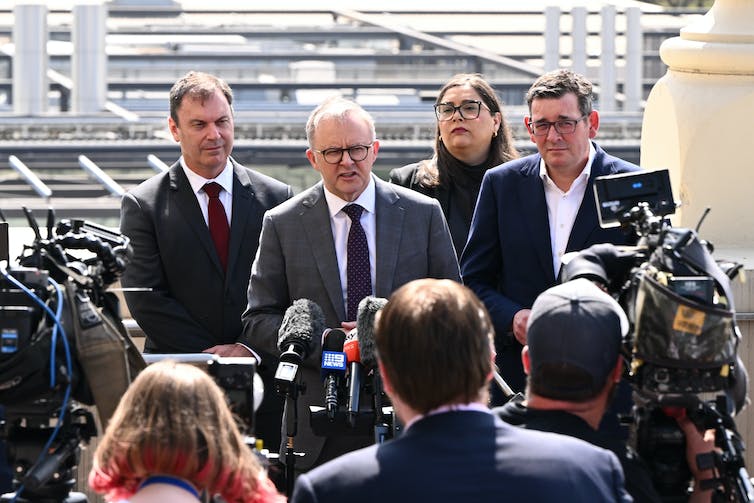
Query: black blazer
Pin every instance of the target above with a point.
(193, 304)
(406, 177)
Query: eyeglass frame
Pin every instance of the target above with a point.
(478, 103)
(341, 150)
(530, 125)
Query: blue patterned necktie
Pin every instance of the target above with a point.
(358, 272)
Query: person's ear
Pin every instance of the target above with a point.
(525, 360)
(618, 370)
(173, 127)
(594, 123)
(386, 384)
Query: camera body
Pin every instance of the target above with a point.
(683, 342)
(62, 346)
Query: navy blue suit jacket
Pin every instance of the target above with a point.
(467, 456)
(507, 260)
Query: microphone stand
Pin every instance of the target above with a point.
(290, 412)
(288, 382)
(381, 427)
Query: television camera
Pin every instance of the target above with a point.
(683, 342)
(62, 346)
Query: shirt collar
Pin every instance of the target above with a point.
(225, 178)
(474, 406)
(585, 173)
(366, 199)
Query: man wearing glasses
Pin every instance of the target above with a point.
(348, 237)
(532, 210)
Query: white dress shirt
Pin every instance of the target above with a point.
(562, 207)
(224, 179)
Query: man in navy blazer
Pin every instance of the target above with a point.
(435, 355)
(532, 210)
(303, 252)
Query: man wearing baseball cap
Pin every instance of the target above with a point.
(573, 363)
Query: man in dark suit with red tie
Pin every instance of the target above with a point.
(195, 230)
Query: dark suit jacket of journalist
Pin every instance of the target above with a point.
(468, 456)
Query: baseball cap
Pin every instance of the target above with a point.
(574, 325)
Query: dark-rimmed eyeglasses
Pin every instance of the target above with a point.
(468, 109)
(563, 126)
(335, 155)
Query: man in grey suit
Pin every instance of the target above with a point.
(303, 250)
(184, 293)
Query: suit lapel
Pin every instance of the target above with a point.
(243, 206)
(188, 207)
(389, 226)
(315, 220)
(532, 199)
(586, 219)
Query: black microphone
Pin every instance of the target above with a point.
(301, 320)
(333, 367)
(368, 308)
(365, 317)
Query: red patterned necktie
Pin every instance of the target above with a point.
(218, 222)
(358, 272)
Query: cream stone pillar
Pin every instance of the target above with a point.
(698, 123)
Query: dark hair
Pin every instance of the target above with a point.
(558, 83)
(431, 172)
(563, 381)
(198, 85)
(434, 339)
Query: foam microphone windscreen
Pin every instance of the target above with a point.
(301, 321)
(368, 308)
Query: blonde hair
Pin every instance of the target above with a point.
(174, 420)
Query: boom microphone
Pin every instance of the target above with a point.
(301, 320)
(333, 367)
(368, 308)
(355, 370)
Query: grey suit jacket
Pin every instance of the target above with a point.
(193, 304)
(296, 260)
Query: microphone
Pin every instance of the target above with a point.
(351, 348)
(368, 308)
(302, 319)
(333, 367)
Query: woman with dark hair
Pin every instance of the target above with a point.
(472, 136)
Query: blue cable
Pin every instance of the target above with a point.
(58, 330)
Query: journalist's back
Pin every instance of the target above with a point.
(453, 448)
